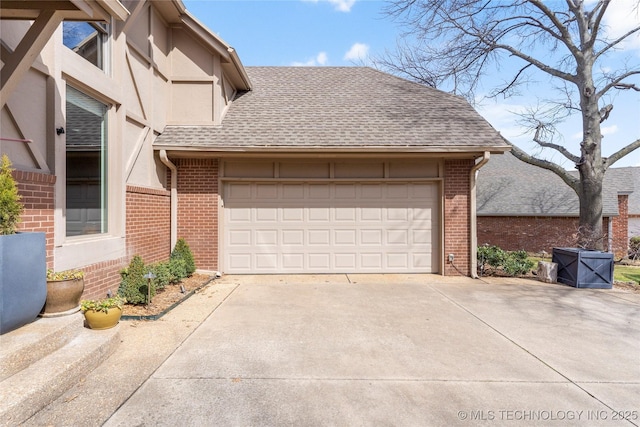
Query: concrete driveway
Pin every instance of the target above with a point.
(400, 351)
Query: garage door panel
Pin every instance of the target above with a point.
(371, 237)
(312, 230)
(319, 237)
(397, 260)
(293, 261)
(371, 214)
(240, 237)
(266, 214)
(345, 191)
(267, 261)
(319, 262)
(266, 191)
(293, 237)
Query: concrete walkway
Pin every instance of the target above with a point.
(375, 350)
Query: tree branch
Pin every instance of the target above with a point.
(615, 42)
(616, 82)
(569, 179)
(621, 153)
(559, 148)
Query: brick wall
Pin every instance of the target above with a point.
(456, 215)
(37, 191)
(147, 235)
(620, 229)
(198, 209)
(533, 234)
(148, 223)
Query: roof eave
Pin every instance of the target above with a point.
(443, 150)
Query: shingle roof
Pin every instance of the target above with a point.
(507, 186)
(341, 108)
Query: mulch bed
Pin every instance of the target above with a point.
(167, 297)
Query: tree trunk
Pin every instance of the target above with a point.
(590, 233)
(591, 165)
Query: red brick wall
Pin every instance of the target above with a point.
(148, 223)
(37, 191)
(198, 209)
(102, 277)
(147, 235)
(457, 215)
(620, 229)
(533, 234)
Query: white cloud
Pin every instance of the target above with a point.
(320, 59)
(358, 52)
(340, 5)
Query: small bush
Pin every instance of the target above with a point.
(178, 269)
(134, 287)
(491, 255)
(514, 263)
(163, 275)
(183, 252)
(517, 263)
(10, 206)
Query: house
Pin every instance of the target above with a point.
(634, 202)
(131, 125)
(521, 206)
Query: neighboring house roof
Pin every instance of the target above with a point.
(622, 177)
(507, 186)
(339, 108)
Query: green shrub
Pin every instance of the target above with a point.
(163, 275)
(517, 263)
(491, 255)
(134, 287)
(178, 269)
(514, 263)
(182, 251)
(10, 206)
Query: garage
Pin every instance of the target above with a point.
(329, 225)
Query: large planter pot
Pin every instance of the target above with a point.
(23, 283)
(583, 268)
(102, 320)
(63, 297)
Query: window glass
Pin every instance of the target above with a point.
(86, 134)
(87, 39)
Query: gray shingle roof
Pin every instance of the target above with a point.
(507, 186)
(341, 108)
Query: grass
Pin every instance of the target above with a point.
(626, 273)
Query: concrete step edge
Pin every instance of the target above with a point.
(28, 391)
(30, 343)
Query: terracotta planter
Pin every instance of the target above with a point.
(63, 297)
(102, 320)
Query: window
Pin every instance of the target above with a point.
(86, 186)
(87, 39)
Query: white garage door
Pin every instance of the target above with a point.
(330, 228)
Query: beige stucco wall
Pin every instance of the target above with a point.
(159, 71)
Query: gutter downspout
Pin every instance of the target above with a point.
(174, 197)
(474, 225)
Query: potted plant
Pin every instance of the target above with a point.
(23, 286)
(102, 313)
(64, 290)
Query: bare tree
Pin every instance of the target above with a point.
(459, 42)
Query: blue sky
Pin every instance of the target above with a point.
(348, 32)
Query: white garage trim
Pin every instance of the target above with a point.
(325, 226)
